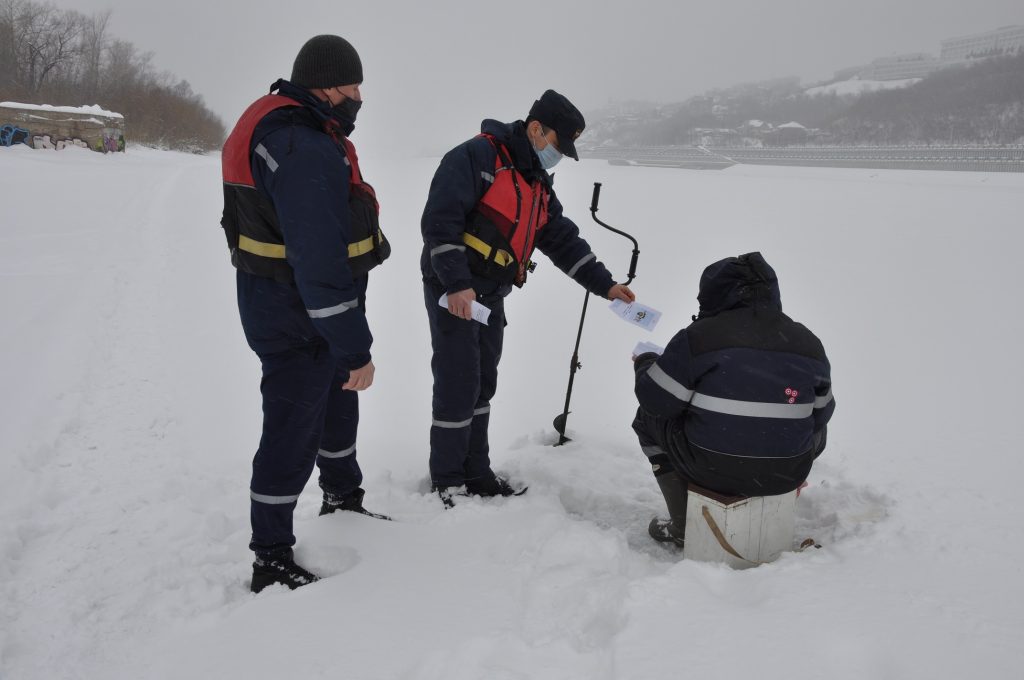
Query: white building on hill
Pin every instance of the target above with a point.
(1006, 40)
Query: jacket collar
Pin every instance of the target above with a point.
(320, 109)
(513, 137)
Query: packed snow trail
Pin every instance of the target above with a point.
(132, 411)
(106, 487)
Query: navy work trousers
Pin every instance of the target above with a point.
(465, 368)
(307, 419)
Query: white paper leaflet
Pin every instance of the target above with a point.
(636, 314)
(480, 313)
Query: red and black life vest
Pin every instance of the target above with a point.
(250, 221)
(503, 228)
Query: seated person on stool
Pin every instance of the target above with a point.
(739, 401)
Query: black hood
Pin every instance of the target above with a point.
(744, 281)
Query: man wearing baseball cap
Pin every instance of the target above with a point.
(491, 203)
(301, 225)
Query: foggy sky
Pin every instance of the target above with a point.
(433, 70)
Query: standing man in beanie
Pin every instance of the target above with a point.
(490, 204)
(301, 225)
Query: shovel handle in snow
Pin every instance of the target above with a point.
(574, 363)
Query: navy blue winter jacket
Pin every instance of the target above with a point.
(465, 174)
(305, 175)
(746, 389)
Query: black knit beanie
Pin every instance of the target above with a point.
(327, 61)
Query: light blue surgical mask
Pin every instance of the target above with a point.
(548, 156)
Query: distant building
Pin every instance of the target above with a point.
(900, 67)
(1006, 40)
(787, 134)
(847, 73)
(713, 137)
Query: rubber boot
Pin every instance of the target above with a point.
(672, 530)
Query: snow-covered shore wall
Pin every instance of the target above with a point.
(41, 126)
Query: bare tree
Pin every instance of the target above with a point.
(9, 38)
(44, 38)
(49, 55)
(93, 45)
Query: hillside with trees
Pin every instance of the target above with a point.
(981, 103)
(62, 57)
(978, 104)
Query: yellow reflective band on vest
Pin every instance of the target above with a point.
(501, 257)
(364, 246)
(277, 250)
(274, 250)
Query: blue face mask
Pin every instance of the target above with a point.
(548, 156)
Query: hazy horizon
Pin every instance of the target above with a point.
(433, 71)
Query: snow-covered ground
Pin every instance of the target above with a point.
(131, 411)
(857, 86)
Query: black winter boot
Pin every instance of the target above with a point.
(447, 494)
(672, 530)
(280, 568)
(352, 502)
(495, 486)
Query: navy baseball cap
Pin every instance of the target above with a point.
(553, 110)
